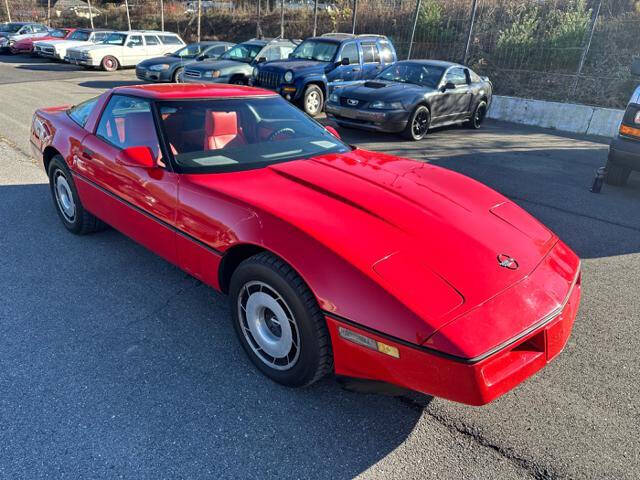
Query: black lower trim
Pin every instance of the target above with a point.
(147, 214)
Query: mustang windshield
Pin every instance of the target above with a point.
(315, 50)
(241, 133)
(79, 36)
(242, 53)
(417, 73)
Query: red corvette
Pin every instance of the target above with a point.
(26, 44)
(335, 259)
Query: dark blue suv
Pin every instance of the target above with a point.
(320, 64)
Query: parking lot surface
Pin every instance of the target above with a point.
(115, 364)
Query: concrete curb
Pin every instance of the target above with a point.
(566, 117)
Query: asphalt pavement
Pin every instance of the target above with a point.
(115, 364)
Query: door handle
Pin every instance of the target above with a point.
(355, 69)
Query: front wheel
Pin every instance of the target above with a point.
(418, 124)
(238, 81)
(278, 322)
(109, 64)
(313, 100)
(478, 115)
(177, 75)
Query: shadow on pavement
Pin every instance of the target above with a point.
(106, 84)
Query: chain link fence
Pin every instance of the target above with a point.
(561, 50)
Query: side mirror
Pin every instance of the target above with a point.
(136, 157)
(332, 131)
(635, 67)
(202, 57)
(290, 56)
(345, 62)
(448, 86)
(262, 59)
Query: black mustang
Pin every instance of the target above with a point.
(411, 96)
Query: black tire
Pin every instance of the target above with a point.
(617, 175)
(313, 100)
(81, 222)
(311, 359)
(478, 116)
(109, 64)
(418, 124)
(239, 80)
(177, 74)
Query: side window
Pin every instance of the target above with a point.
(25, 29)
(285, 50)
(217, 50)
(41, 28)
(271, 53)
(151, 40)
(80, 113)
(350, 51)
(170, 40)
(456, 76)
(128, 122)
(386, 54)
(134, 41)
(370, 53)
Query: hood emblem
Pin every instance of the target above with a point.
(352, 102)
(505, 261)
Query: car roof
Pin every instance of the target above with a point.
(177, 91)
(439, 63)
(156, 32)
(338, 37)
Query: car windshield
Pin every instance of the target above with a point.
(79, 36)
(422, 74)
(10, 27)
(58, 33)
(242, 53)
(315, 50)
(190, 51)
(229, 134)
(115, 39)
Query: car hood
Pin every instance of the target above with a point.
(207, 65)
(383, 90)
(66, 43)
(296, 66)
(85, 47)
(410, 226)
(163, 60)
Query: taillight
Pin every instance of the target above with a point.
(630, 126)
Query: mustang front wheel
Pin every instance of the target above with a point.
(418, 125)
(477, 117)
(278, 322)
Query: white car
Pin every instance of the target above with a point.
(57, 49)
(125, 49)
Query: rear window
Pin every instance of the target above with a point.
(370, 53)
(386, 54)
(151, 40)
(80, 113)
(170, 40)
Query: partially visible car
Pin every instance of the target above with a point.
(624, 150)
(319, 64)
(412, 96)
(12, 32)
(57, 49)
(236, 65)
(124, 49)
(169, 67)
(26, 45)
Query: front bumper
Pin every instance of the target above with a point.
(152, 76)
(625, 152)
(391, 121)
(87, 62)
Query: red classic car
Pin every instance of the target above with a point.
(335, 259)
(26, 44)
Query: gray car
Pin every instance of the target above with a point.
(169, 68)
(412, 96)
(236, 65)
(14, 31)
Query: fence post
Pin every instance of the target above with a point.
(281, 18)
(585, 50)
(126, 5)
(315, 18)
(6, 2)
(49, 13)
(199, 17)
(162, 15)
(353, 16)
(416, 14)
(258, 14)
(90, 13)
(474, 9)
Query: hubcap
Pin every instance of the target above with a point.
(420, 124)
(64, 197)
(268, 325)
(313, 102)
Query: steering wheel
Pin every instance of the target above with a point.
(285, 131)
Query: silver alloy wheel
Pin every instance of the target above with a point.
(268, 325)
(64, 197)
(313, 102)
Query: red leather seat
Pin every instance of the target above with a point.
(221, 130)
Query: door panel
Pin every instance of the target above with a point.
(371, 65)
(453, 104)
(345, 74)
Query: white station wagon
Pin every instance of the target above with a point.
(125, 49)
(57, 49)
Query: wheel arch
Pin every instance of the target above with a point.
(232, 258)
(48, 154)
(319, 83)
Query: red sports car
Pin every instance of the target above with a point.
(26, 44)
(335, 259)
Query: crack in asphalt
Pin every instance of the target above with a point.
(537, 471)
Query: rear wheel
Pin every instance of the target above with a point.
(418, 125)
(109, 64)
(67, 202)
(478, 115)
(313, 100)
(278, 322)
(616, 174)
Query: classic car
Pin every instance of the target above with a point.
(235, 66)
(319, 64)
(57, 49)
(412, 96)
(169, 67)
(124, 49)
(26, 44)
(335, 259)
(13, 32)
(624, 149)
